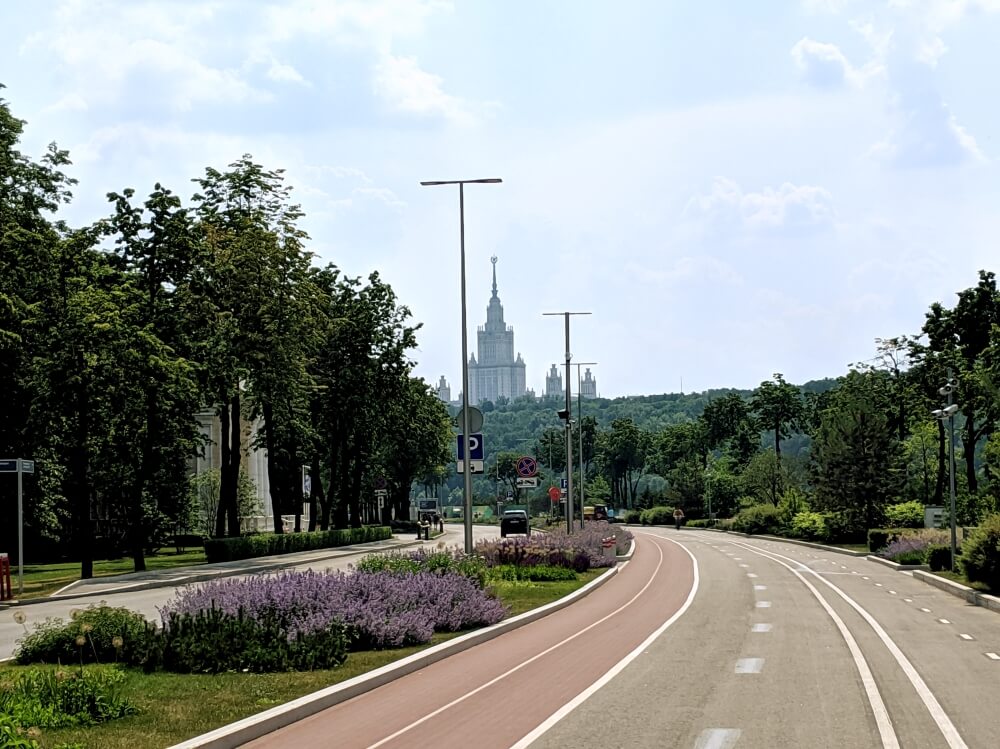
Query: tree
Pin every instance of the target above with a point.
(778, 406)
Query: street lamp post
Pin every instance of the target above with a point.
(579, 419)
(467, 455)
(569, 424)
(948, 412)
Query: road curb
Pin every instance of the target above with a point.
(897, 566)
(203, 577)
(971, 595)
(245, 730)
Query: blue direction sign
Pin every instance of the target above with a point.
(8, 466)
(527, 467)
(563, 483)
(475, 447)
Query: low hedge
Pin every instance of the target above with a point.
(879, 538)
(269, 544)
(981, 553)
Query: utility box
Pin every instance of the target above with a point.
(933, 516)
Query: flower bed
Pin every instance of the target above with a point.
(913, 548)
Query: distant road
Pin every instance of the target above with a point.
(782, 646)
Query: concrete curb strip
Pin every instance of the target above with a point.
(242, 731)
(964, 592)
(797, 542)
(896, 565)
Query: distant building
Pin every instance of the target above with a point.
(553, 383)
(497, 372)
(444, 390)
(588, 387)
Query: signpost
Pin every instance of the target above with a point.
(476, 453)
(554, 494)
(20, 466)
(523, 483)
(527, 467)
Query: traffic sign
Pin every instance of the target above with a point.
(554, 493)
(27, 466)
(8, 466)
(527, 466)
(380, 482)
(510, 493)
(381, 502)
(563, 483)
(475, 447)
(381, 492)
(523, 483)
(476, 466)
(475, 419)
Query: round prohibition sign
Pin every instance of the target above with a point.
(527, 467)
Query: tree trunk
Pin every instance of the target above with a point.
(274, 482)
(315, 491)
(354, 498)
(235, 458)
(340, 512)
(147, 471)
(222, 510)
(777, 440)
(79, 482)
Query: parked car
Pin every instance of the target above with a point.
(514, 521)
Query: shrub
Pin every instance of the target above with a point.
(939, 557)
(56, 697)
(379, 609)
(981, 553)
(905, 515)
(268, 544)
(441, 559)
(55, 641)
(879, 538)
(633, 517)
(906, 549)
(840, 529)
(699, 523)
(659, 515)
(12, 735)
(537, 573)
(757, 519)
(810, 526)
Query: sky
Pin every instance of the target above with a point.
(732, 189)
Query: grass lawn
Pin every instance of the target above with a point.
(175, 707)
(45, 579)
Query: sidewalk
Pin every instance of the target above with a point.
(133, 581)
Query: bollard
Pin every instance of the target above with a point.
(6, 589)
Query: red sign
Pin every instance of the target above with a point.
(555, 493)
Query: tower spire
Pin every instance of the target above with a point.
(494, 261)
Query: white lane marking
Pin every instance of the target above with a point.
(877, 585)
(892, 592)
(742, 565)
(760, 587)
(717, 738)
(760, 628)
(751, 574)
(926, 611)
(843, 566)
(993, 656)
(967, 637)
(944, 621)
(908, 600)
(542, 654)
(863, 577)
(566, 709)
(886, 732)
(937, 713)
(763, 604)
(749, 665)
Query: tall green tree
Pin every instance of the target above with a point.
(779, 408)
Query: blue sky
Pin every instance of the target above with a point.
(732, 189)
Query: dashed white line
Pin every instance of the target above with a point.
(760, 587)
(908, 600)
(763, 604)
(749, 665)
(877, 585)
(717, 738)
(967, 637)
(926, 611)
(891, 592)
(993, 656)
(863, 577)
(944, 621)
(751, 574)
(760, 628)
(742, 565)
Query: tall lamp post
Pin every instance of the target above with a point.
(565, 414)
(948, 412)
(467, 453)
(579, 420)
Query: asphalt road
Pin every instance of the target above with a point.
(147, 601)
(709, 641)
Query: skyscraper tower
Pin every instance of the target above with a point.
(496, 372)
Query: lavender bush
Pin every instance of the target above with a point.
(906, 550)
(579, 550)
(379, 609)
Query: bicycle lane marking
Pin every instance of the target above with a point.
(937, 713)
(570, 706)
(527, 662)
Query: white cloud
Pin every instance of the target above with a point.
(930, 51)
(788, 207)
(400, 82)
(823, 64)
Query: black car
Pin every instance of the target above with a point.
(514, 521)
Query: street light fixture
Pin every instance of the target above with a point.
(948, 412)
(467, 453)
(569, 424)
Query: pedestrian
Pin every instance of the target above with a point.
(678, 517)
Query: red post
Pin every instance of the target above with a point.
(6, 589)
